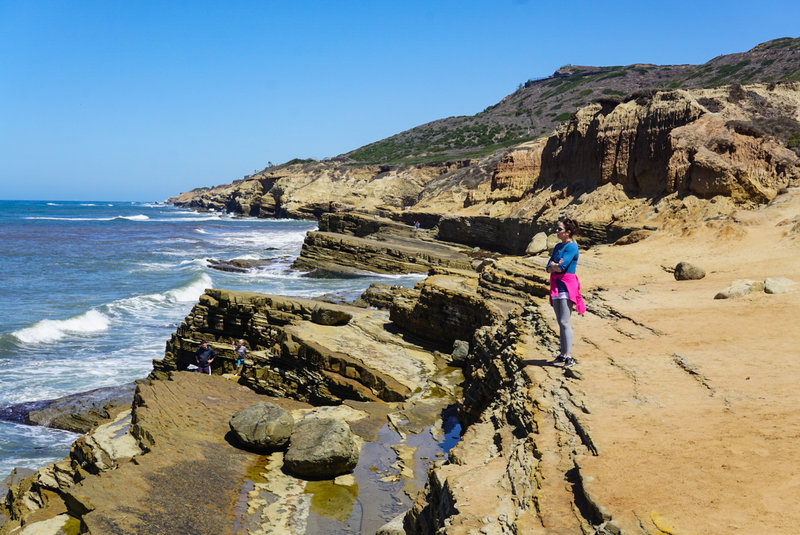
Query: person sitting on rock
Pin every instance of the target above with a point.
(241, 353)
(204, 357)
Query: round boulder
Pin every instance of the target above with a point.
(263, 426)
(685, 271)
(321, 448)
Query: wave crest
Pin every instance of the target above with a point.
(46, 331)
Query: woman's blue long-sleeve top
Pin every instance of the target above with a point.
(567, 252)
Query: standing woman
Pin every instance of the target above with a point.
(565, 289)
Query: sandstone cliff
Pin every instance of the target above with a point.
(658, 158)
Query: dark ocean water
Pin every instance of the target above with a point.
(91, 291)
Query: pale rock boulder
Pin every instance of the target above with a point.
(393, 527)
(537, 245)
(552, 241)
(460, 352)
(739, 288)
(778, 285)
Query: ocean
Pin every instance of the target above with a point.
(91, 291)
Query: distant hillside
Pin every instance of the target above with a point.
(538, 106)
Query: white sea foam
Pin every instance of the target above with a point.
(200, 231)
(263, 239)
(140, 217)
(273, 272)
(53, 204)
(192, 291)
(155, 266)
(89, 204)
(150, 304)
(71, 218)
(200, 262)
(46, 331)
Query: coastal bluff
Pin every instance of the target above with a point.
(616, 165)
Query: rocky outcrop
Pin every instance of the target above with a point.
(308, 190)
(326, 253)
(443, 309)
(292, 355)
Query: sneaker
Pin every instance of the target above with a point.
(559, 359)
(568, 362)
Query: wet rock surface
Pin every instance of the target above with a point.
(77, 412)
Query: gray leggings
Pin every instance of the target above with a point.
(563, 311)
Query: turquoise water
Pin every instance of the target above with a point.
(91, 291)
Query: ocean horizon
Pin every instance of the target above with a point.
(92, 290)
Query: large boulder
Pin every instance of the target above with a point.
(321, 448)
(262, 426)
(686, 271)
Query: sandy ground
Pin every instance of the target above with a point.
(695, 405)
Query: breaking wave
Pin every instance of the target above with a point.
(47, 331)
(98, 320)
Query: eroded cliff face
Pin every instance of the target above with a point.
(612, 163)
(660, 159)
(727, 141)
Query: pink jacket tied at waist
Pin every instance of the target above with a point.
(573, 285)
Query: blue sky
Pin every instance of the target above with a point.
(140, 100)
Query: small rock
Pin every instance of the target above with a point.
(537, 245)
(633, 237)
(739, 288)
(393, 527)
(778, 285)
(263, 426)
(330, 316)
(460, 352)
(685, 271)
(321, 448)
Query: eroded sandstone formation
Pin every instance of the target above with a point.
(658, 157)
